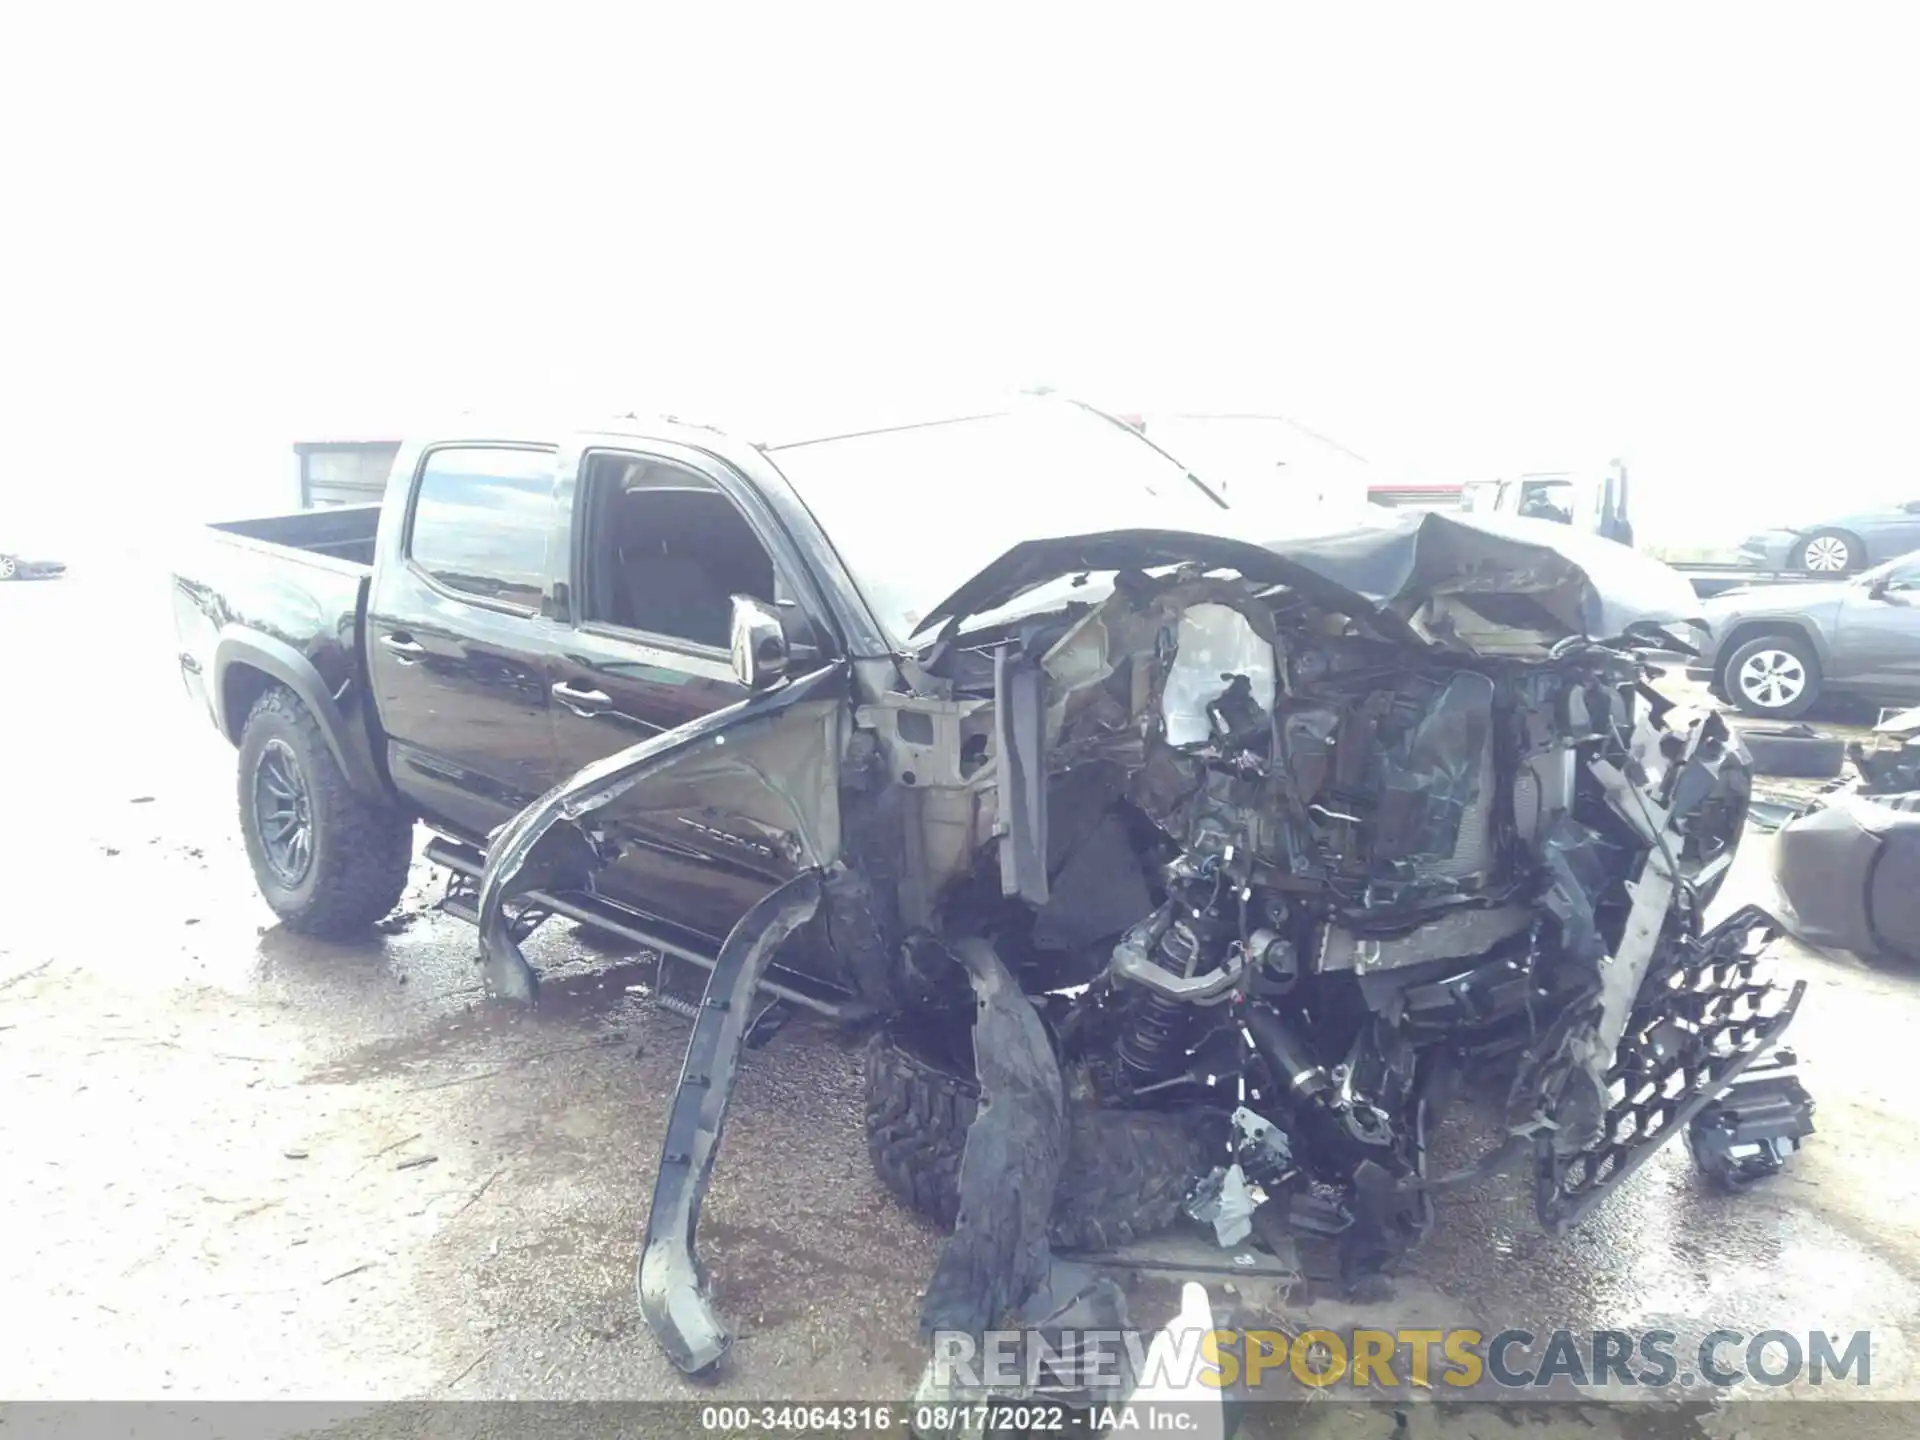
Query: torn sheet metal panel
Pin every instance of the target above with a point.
(545, 847)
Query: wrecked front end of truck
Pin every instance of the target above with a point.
(1210, 878)
(1294, 846)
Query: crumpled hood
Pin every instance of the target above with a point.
(1531, 574)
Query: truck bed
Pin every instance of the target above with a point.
(281, 597)
(344, 532)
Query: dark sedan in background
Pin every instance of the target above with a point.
(28, 567)
(1776, 649)
(1840, 545)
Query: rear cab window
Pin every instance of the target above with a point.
(481, 519)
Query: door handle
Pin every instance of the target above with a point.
(403, 645)
(582, 702)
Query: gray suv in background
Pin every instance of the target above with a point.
(1776, 649)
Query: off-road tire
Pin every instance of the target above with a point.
(1789, 644)
(361, 849)
(1126, 1175)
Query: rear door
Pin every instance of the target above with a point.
(458, 633)
(663, 537)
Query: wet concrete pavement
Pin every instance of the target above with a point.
(244, 1164)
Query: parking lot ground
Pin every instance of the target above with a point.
(240, 1164)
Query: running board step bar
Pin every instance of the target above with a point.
(585, 910)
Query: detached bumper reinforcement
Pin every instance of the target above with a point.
(671, 1281)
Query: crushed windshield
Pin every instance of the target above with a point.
(916, 512)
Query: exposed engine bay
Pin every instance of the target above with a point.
(1255, 860)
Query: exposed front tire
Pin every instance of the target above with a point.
(1775, 676)
(1127, 1172)
(9, 568)
(1830, 552)
(329, 861)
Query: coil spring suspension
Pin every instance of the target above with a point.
(1150, 1048)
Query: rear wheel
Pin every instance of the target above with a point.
(1773, 675)
(328, 861)
(1830, 552)
(9, 567)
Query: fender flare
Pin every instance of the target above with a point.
(238, 645)
(1752, 627)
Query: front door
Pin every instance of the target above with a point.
(1876, 642)
(663, 541)
(457, 641)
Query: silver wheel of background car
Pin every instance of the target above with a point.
(1829, 555)
(8, 567)
(1772, 679)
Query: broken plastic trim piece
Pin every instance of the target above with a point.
(1751, 1130)
(670, 1279)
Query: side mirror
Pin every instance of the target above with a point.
(759, 644)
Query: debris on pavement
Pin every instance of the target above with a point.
(1750, 1132)
(1796, 751)
(1223, 1201)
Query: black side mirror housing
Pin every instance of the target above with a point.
(758, 645)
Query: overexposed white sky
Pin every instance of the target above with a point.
(1451, 236)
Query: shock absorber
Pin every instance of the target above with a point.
(1150, 1047)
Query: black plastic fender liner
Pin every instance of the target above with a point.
(670, 1279)
(998, 1253)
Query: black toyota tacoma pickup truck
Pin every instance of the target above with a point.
(1171, 859)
